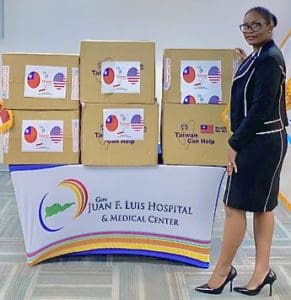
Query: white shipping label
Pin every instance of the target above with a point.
(166, 73)
(42, 136)
(75, 135)
(75, 84)
(120, 77)
(201, 96)
(123, 124)
(5, 142)
(5, 82)
(45, 82)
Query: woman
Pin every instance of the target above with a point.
(256, 151)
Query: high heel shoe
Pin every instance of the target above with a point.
(208, 290)
(269, 279)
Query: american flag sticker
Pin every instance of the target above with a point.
(56, 134)
(214, 74)
(59, 81)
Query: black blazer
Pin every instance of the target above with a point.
(258, 96)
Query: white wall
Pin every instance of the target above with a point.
(57, 26)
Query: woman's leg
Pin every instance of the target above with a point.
(234, 230)
(263, 226)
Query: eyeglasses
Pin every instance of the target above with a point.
(254, 27)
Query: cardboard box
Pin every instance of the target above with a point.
(194, 134)
(117, 71)
(119, 134)
(40, 81)
(198, 75)
(43, 137)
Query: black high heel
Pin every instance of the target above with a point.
(269, 279)
(208, 290)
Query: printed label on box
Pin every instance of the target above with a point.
(5, 82)
(75, 84)
(75, 135)
(201, 79)
(120, 77)
(166, 73)
(45, 82)
(123, 124)
(42, 136)
(6, 141)
(201, 96)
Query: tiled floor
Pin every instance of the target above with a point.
(126, 277)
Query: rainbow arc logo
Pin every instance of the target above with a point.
(55, 208)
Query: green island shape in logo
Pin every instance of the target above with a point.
(57, 208)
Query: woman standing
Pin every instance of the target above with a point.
(257, 148)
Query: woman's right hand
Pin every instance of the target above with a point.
(241, 54)
(231, 165)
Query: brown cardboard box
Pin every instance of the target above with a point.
(194, 134)
(43, 137)
(117, 58)
(118, 145)
(40, 81)
(198, 75)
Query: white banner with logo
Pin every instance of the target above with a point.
(162, 211)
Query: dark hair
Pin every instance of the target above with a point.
(266, 14)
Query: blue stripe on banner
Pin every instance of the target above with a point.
(13, 168)
(162, 255)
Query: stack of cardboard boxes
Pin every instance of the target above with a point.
(119, 124)
(43, 92)
(119, 113)
(196, 134)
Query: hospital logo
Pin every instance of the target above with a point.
(66, 202)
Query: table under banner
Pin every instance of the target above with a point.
(160, 211)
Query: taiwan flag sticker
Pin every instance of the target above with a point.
(30, 134)
(189, 74)
(108, 76)
(111, 123)
(33, 79)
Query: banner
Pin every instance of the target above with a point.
(162, 211)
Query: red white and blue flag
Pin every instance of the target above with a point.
(189, 99)
(206, 128)
(111, 123)
(189, 74)
(56, 134)
(137, 122)
(108, 75)
(33, 79)
(30, 134)
(59, 81)
(214, 74)
(133, 75)
(214, 100)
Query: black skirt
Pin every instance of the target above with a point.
(255, 187)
